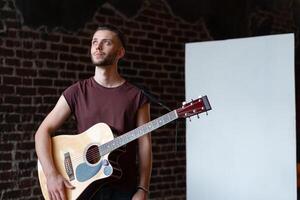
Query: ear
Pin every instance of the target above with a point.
(121, 53)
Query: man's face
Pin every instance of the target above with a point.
(105, 48)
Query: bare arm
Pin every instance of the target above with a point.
(145, 154)
(51, 123)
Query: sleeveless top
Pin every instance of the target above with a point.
(91, 103)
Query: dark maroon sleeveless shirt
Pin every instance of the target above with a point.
(92, 103)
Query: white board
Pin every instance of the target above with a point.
(245, 149)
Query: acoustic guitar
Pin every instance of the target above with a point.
(90, 159)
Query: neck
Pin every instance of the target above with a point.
(108, 76)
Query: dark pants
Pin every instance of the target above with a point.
(108, 193)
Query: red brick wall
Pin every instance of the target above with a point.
(37, 65)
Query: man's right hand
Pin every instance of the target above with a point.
(56, 185)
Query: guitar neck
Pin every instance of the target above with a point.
(138, 132)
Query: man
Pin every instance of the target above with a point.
(106, 97)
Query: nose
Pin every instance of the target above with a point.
(100, 46)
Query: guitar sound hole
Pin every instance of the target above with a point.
(93, 154)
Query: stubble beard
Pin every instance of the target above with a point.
(106, 61)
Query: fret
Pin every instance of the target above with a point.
(136, 133)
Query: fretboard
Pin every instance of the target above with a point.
(136, 133)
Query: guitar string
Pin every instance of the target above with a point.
(95, 153)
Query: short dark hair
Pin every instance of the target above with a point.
(114, 29)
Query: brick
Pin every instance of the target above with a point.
(147, 43)
(156, 51)
(48, 55)
(27, 81)
(68, 75)
(12, 118)
(4, 186)
(154, 36)
(85, 42)
(148, 27)
(26, 109)
(25, 183)
(169, 38)
(23, 155)
(26, 118)
(12, 62)
(171, 53)
(79, 50)
(5, 156)
(26, 54)
(6, 147)
(6, 175)
(13, 24)
(28, 35)
(40, 45)
(63, 83)
(59, 47)
(132, 24)
(84, 75)
(85, 59)
(12, 43)
(42, 82)
(68, 57)
(47, 90)
(76, 67)
(27, 44)
(163, 45)
(7, 52)
(26, 72)
(5, 89)
(130, 72)
(148, 57)
(162, 30)
(26, 146)
(146, 73)
(48, 73)
(26, 91)
(12, 194)
(70, 40)
(162, 59)
(12, 80)
(54, 38)
(50, 100)
(139, 33)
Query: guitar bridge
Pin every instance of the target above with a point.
(69, 167)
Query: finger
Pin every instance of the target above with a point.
(57, 196)
(69, 185)
(62, 194)
(52, 195)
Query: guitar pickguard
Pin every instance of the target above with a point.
(84, 171)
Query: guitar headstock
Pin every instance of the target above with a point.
(194, 107)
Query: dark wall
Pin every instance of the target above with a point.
(38, 62)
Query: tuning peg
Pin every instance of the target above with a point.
(183, 103)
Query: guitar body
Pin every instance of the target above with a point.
(77, 158)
